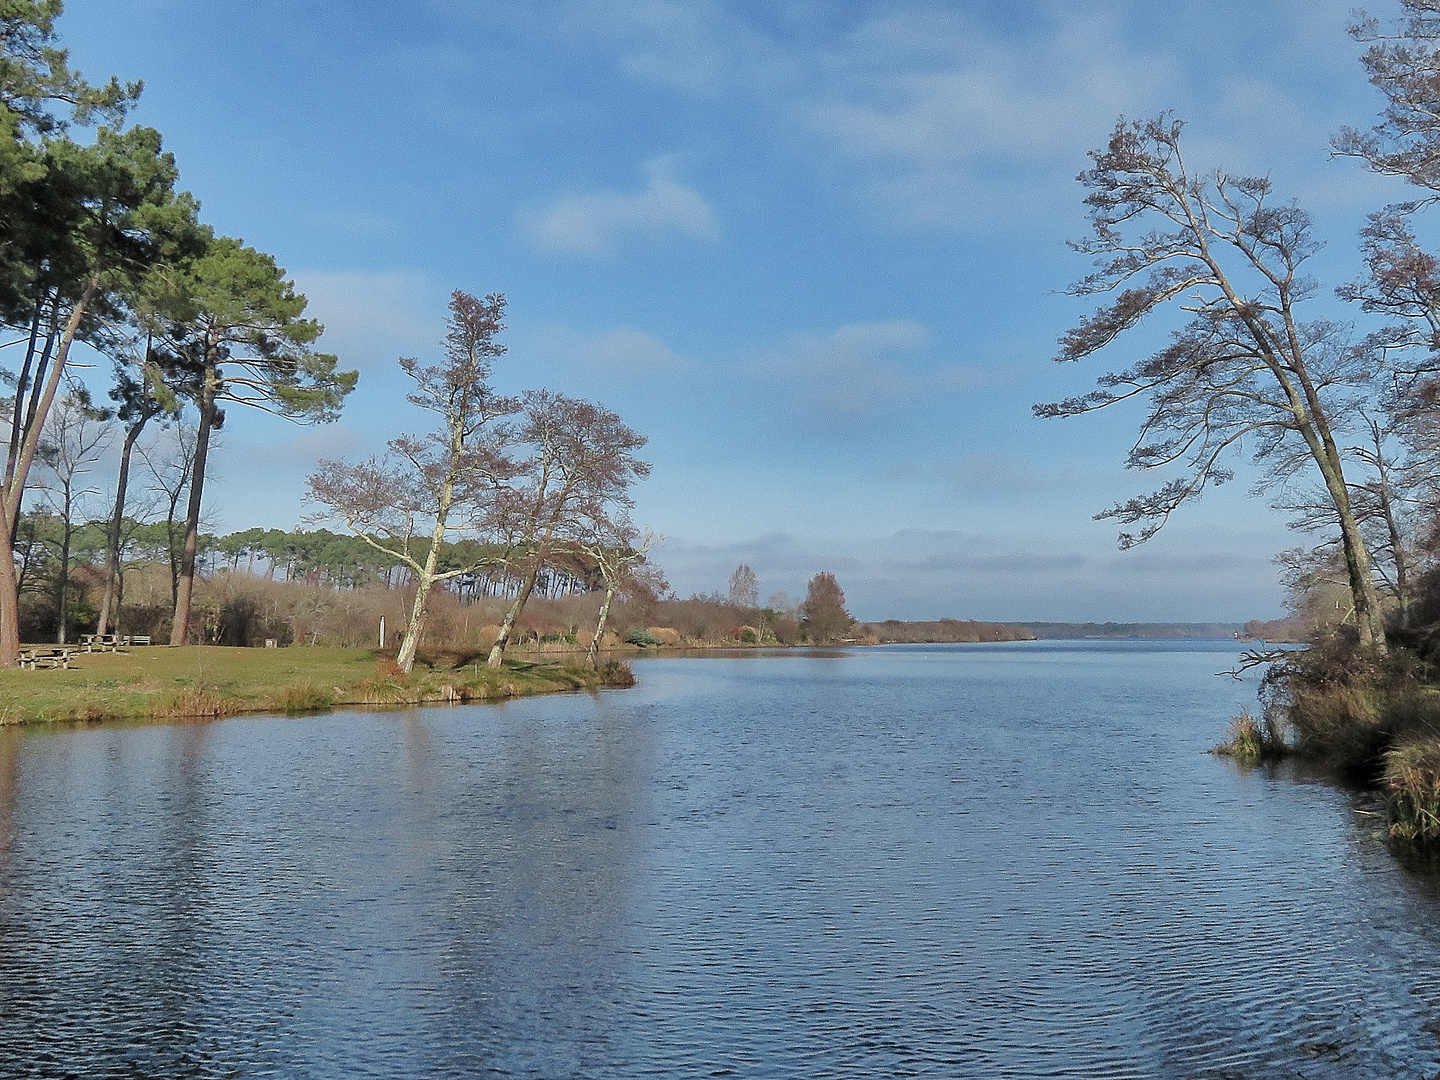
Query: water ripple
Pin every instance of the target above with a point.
(996, 861)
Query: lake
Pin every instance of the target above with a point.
(1001, 860)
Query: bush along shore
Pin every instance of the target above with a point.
(215, 681)
(1372, 721)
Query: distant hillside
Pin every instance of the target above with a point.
(1047, 631)
(893, 631)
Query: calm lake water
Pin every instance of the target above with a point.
(951, 861)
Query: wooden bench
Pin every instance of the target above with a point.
(58, 657)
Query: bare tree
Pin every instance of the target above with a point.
(618, 548)
(1404, 65)
(744, 587)
(1403, 281)
(580, 469)
(783, 605)
(170, 462)
(443, 482)
(1388, 490)
(1244, 365)
(1385, 503)
(76, 434)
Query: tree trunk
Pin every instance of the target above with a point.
(40, 409)
(112, 541)
(62, 613)
(600, 624)
(9, 598)
(1321, 442)
(410, 641)
(419, 610)
(497, 651)
(22, 384)
(1314, 427)
(1397, 544)
(15, 486)
(1368, 619)
(185, 585)
(1402, 576)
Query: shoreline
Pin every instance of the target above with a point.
(214, 681)
(161, 682)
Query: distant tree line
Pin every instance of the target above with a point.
(944, 630)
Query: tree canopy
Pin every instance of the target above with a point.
(1244, 364)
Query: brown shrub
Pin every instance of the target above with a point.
(197, 701)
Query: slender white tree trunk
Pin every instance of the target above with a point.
(497, 651)
(600, 623)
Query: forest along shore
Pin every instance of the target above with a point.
(207, 681)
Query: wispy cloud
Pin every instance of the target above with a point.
(860, 370)
(693, 47)
(850, 371)
(918, 109)
(592, 224)
(371, 318)
(915, 108)
(922, 107)
(619, 350)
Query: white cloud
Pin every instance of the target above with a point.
(623, 350)
(370, 318)
(921, 109)
(692, 47)
(595, 223)
(936, 117)
(674, 45)
(858, 370)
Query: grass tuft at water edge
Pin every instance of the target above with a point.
(1253, 741)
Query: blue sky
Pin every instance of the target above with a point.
(813, 250)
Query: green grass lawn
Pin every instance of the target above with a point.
(201, 680)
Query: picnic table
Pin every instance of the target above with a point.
(57, 657)
(111, 642)
(33, 657)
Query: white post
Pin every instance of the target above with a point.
(382, 631)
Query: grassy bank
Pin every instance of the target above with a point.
(212, 681)
(1373, 722)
